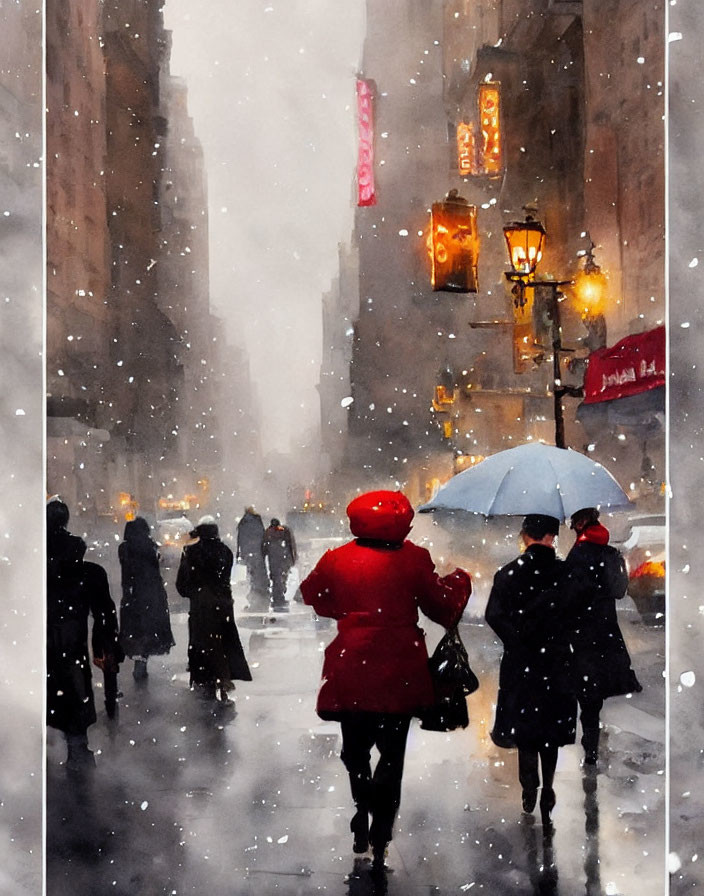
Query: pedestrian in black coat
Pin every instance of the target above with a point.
(215, 654)
(279, 547)
(601, 663)
(536, 710)
(76, 589)
(145, 627)
(250, 536)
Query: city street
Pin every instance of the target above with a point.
(187, 800)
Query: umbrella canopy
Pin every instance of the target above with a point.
(531, 478)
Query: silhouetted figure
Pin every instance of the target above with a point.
(279, 548)
(601, 663)
(145, 627)
(76, 589)
(215, 654)
(536, 710)
(375, 674)
(250, 535)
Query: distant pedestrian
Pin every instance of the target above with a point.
(536, 710)
(215, 654)
(601, 663)
(279, 548)
(76, 589)
(375, 674)
(250, 536)
(145, 627)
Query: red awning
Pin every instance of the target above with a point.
(635, 364)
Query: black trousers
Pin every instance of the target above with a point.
(528, 767)
(377, 792)
(589, 709)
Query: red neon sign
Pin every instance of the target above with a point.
(366, 194)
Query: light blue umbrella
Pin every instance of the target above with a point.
(531, 478)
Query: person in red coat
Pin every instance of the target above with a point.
(375, 673)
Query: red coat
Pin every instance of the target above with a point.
(378, 661)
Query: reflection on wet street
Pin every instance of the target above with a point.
(186, 799)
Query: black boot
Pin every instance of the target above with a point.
(360, 829)
(590, 742)
(139, 673)
(547, 804)
(379, 855)
(80, 759)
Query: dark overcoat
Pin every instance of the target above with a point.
(145, 626)
(215, 651)
(250, 534)
(374, 588)
(76, 589)
(528, 609)
(279, 547)
(601, 663)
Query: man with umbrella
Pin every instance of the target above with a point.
(601, 664)
(536, 710)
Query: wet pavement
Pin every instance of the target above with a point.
(186, 799)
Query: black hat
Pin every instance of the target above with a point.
(538, 525)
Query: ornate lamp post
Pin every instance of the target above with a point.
(525, 241)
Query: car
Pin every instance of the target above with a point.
(644, 551)
(171, 536)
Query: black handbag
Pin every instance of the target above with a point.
(453, 680)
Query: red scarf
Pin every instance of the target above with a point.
(596, 534)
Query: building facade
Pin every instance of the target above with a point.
(132, 348)
(543, 109)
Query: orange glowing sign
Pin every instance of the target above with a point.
(466, 149)
(453, 245)
(489, 98)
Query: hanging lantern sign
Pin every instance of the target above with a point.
(366, 193)
(490, 125)
(454, 245)
(466, 149)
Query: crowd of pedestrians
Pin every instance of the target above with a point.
(563, 652)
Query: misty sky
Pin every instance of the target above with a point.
(271, 91)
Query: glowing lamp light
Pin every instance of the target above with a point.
(590, 287)
(453, 245)
(525, 241)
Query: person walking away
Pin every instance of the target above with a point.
(536, 710)
(279, 548)
(215, 654)
(76, 589)
(250, 535)
(375, 673)
(145, 627)
(601, 664)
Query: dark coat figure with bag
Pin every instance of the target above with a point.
(279, 548)
(76, 590)
(536, 709)
(215, 654)
(601, 663)
(375, 673)
(145, 627)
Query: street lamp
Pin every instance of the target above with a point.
(525, 241)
